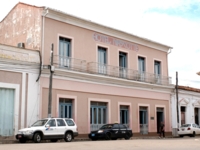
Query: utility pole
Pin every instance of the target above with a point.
(51, 67)
(177, 108)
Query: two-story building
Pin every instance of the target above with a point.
(102, 75)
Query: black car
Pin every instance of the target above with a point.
(111, 132)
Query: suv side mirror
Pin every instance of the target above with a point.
(47, 126)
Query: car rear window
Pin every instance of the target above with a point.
(107, 126)
(186, 125)
(69, 122)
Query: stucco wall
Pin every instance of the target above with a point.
(22, 24)
(85, 47)
(86, 92)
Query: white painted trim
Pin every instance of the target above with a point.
(108, 101)
(165, 116)
(23, 101)
(107, 52)
(148, 109)
(72, 43)
(74, 104)
(130, 112)
(16, 87)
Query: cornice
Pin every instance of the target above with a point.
(109, 80)
(73, 20)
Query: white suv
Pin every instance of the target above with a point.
(51, 129)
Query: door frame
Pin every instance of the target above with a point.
(15, 87)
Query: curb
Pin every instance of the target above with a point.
(78, 139)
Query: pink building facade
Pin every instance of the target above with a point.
(102, 75)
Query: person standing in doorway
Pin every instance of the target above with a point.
(162, 130)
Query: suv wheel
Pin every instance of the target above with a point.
(37, 138)
(108, 136)
(68, 137)
(127, 137)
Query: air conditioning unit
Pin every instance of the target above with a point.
(21, 45)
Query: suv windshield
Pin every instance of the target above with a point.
(40, 123)
(107, 126)
(185, 125)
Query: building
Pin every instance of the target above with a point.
(102, 75)
(188, 106)
(19, 89)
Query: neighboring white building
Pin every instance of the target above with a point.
(189, 106)
(19, 90)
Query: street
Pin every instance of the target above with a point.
(185, 143)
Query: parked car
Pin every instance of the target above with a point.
(111, 132)
(51, 129)
(188, 130)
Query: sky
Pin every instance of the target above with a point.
(175, 23)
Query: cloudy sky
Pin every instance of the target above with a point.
(174, 22)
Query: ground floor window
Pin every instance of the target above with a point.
(197, 115)
(124, 115)
(98, 115)
(65, 108)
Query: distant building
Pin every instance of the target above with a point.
(188, 104)
(102, 75)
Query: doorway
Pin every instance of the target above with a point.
(143, 120)
(183, 110)
(160, 117)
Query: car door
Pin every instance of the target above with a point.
(197, 129)
(61, 127)
(123, 130)
(115, 131)
(50, 128)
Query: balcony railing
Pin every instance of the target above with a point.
(120, 72)
(108, 70)
(70, 63)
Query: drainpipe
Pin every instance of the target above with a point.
(43, 23)
(169, 51)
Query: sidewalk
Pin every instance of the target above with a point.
(12, 140)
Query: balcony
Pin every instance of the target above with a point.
(108, 70)
(70, 63)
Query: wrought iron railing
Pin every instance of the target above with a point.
(120, 72)
(70, 63)
(108, 70)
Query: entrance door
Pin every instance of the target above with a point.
(183, 109)
(143, 120)
(160, 118)
(196, 115)
(124, 115)
(65, 108)
(98, 115)
(6, 112)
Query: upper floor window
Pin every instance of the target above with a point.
(157, 68)
(102, 55)
(64, 52)
(122, 59)
(64, 47)
(141, 64)
(102, 60)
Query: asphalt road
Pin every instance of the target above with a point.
(135, 144)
